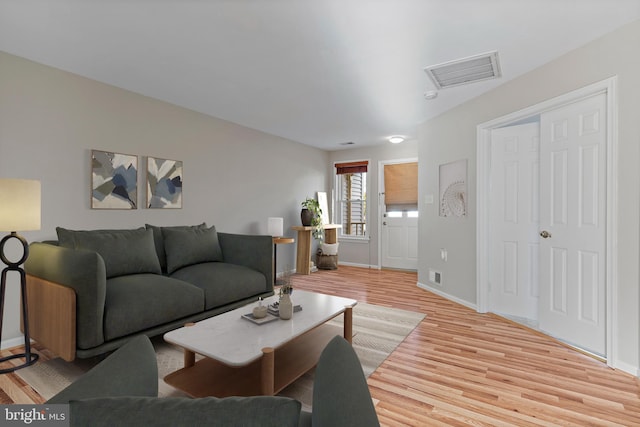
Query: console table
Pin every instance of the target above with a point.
(303, 251)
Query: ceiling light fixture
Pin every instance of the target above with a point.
(431, 94)
(396, 139)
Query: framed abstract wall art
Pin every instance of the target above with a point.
(453, 189)
(164, 183)
(114, 180)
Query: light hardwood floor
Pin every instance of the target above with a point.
(461, 368)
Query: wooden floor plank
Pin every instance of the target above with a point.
(459, 367)
(462, 368)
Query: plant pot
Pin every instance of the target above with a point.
(306, 216)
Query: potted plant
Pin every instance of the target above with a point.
(311, 216)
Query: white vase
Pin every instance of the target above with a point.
(285, 307)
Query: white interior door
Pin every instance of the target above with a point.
(513, 274)
(572, 217)
(400, 240)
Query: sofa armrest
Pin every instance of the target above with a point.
(84, 272)
(52, 316)
(255, 252)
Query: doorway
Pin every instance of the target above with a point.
(398, 214)
(576, 289)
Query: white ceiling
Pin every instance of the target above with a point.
(320, 72)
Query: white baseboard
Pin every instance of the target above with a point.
(12, 342)
(447, 296)
(353, 264)
(622, 366)
(629, 369)
(284, 273)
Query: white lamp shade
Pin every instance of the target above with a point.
(275, 227)
(19, 205)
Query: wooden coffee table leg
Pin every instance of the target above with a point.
(348, 324)
(189, 358)
(267, 371)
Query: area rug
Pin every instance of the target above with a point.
(377, 331)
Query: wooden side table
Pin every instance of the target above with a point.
(278, 241)
(303, 250)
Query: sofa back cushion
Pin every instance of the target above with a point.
(123, 251)
(258, 411)
(189, 246)
(159, 241)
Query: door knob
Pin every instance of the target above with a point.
(384, 223)
(545, 234)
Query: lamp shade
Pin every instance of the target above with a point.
(19, 205)
(275, 227)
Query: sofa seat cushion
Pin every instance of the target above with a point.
(256, 411)
(140, 301)
(223, 283)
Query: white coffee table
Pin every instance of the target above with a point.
(245, 359)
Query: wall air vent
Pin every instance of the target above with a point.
(466, 70)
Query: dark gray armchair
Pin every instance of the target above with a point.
(132, 370)
(122, 390)
(340, 392)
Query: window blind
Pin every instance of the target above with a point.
(401, 186)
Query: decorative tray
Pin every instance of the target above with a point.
(268, 318)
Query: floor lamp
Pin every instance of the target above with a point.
(19, 210)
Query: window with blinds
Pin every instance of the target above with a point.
(351, 185)
(401, 187)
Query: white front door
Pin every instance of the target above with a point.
(573, 223)
(398, 210)
(400, 239)
(513, 274)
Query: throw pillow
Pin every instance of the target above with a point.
(190, 246)
(159, 242)
(258, 411)
(65, 238)
(123, 251)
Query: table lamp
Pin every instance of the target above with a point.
(19, 210)
(275, 227)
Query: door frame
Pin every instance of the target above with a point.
(609, 88)
(381, 164)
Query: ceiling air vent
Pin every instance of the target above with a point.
(466, 70)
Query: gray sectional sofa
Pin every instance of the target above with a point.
(91, 291)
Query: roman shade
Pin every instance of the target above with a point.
(401, 186)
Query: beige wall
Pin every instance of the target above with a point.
(614, 54)
(234, 177)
